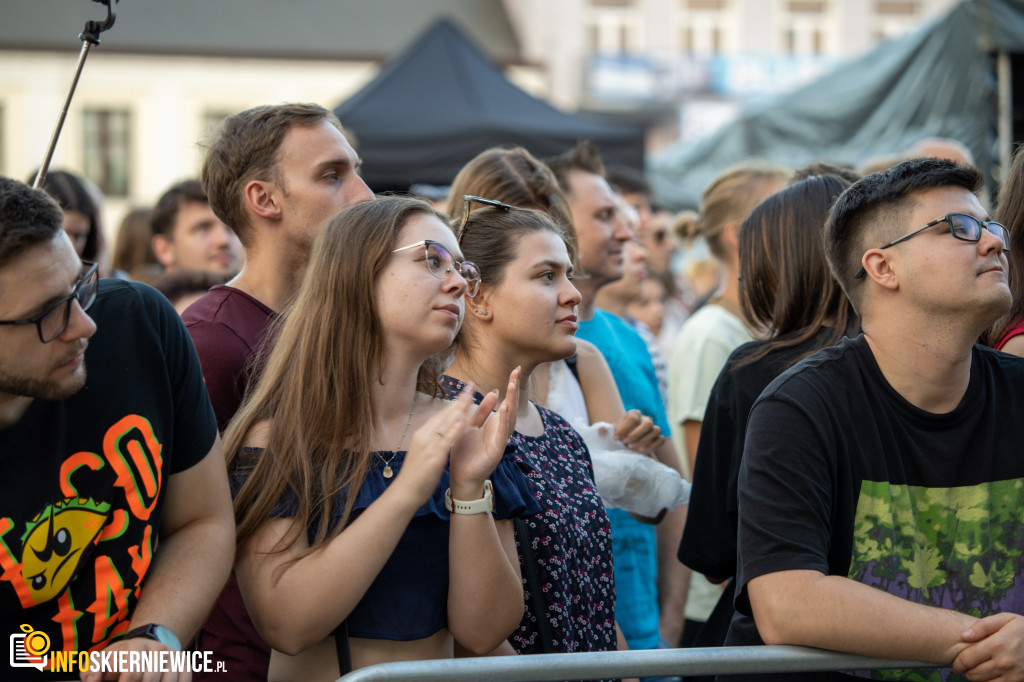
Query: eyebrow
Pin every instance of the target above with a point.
(336, 163)
(53, 299)
(556, 264)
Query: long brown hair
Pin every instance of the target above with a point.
(315, 387)
(786, 286)
(1010, 213)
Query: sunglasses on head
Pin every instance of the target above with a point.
(467, 207)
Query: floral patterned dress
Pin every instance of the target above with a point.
(571, 540)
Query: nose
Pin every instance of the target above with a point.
(622, 232)
(358, 190)
(571, 295)
(991, 241)
(454, 281)
(80, 325)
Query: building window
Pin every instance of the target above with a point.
(107, 149)
(705, 5)
(807, 6)
(907, 8)
(211, 123)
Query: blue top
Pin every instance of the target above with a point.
(630, 362)
(634, 544)
(409, 597)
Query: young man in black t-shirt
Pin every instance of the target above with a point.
(116, 528)
(881, 489)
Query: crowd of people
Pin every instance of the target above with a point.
(348, 429)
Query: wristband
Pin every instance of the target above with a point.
(485, 505)
(153, 631)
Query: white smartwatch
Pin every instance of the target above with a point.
(485, 505)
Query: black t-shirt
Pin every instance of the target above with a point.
(84, 479)
(842, 475)
(709, 538)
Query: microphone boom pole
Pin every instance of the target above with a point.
(89, 36)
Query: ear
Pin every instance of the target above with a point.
(480, 306)
(261, 198)
(878, 265)
(163, 249)
(731, 235)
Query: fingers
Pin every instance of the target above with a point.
(484, 409)
(983, 627)
(511, 404)
(998, 649)
(970, 658)
(638, 432)
(626, 424)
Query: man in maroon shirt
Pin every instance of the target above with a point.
(276, 175)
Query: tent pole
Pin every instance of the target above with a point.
(1005, 99)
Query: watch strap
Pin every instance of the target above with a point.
(153, 631)
(485, 505)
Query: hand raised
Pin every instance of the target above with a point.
(478, 451)
(430, 444)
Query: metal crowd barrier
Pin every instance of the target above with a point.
(617, 664)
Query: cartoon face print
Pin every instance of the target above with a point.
(54, 541)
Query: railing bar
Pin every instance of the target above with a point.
(610, 664)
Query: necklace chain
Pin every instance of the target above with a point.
(388, 471)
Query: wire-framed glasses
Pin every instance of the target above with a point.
(467, 207)
(52, 322)
(440, 263)
(962, 226)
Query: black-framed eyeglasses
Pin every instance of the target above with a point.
(962, 226)
(467, 208)
(440, 262)
(52, 322)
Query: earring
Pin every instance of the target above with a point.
(481, 313)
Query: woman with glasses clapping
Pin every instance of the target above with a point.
(364, 499)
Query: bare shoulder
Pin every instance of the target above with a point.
(585, 350)
(1015, 345)
(589, 358)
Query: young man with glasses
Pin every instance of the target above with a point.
(882, 482)
(276, 175)
(109, 479)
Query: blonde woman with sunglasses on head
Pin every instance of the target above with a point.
(349, 402)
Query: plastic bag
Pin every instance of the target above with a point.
(628, 480)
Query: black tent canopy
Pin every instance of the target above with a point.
(441, 102)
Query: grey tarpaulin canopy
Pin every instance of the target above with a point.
(938, 81)
(441, 101)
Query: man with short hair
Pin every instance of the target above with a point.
(276, 175)
(116, 527)
(882, 482)
(646, 570)
(188, 236)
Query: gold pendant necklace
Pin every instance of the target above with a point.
(388, 471)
